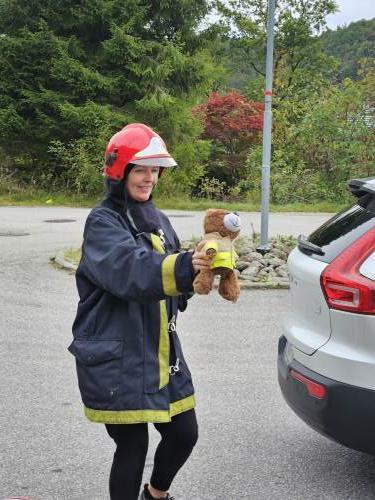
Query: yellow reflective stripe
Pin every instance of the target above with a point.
(163, 353)
(157, 245)
(168, 277)
(140, 416)
(167, 267)
(126, 416)
(223, 259)
(182, 405)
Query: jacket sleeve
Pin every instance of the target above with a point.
(113, 261)
(183, 298)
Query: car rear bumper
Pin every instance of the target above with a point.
(345, 414)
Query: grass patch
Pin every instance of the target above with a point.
(32, 197)
(73, 255)
(202, 204)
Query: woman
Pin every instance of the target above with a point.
(132, 279)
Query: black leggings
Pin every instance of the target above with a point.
(178, 438)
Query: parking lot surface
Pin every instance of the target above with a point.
(251, 445)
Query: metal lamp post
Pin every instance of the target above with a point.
(267, 131)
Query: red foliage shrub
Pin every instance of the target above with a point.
(231, 120)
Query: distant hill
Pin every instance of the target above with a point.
(349, 44)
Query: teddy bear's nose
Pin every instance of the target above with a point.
(232, 222)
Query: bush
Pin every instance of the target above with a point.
(212, 188)
(191, 158)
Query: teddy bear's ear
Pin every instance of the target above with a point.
(232, 222)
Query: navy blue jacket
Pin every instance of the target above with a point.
(131, 285)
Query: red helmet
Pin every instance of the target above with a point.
(135, 143)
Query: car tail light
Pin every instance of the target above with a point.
(343, 285)
(314, 389)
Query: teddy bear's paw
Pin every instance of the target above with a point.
(202, 289)
(231, 298)
(229, 289)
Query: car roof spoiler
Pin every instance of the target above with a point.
(360, 187)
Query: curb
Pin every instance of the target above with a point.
(244, 284)
(256, 285)
(61, 262)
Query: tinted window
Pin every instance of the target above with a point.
(344, 228)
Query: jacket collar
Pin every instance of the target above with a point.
(141, 216)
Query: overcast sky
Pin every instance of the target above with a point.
(351, 10)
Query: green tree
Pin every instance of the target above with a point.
(349, 45)
(333, 142)
(300, 67)
(71, 73)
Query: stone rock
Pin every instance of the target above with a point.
(278, 283)
(251, 270)
(282, 281)
(280, 254)
(245, 258)
(254, 256)
(268, 269)
(245, 279)
(275, 262)
(262, 273)
(244, 247)
(284, 267)
(282, 272)
(241, 265)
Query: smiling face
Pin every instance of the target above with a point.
(141, 181)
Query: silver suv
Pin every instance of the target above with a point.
(326, 360)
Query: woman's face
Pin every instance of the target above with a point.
(141, 181)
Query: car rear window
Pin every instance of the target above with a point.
(344, 228)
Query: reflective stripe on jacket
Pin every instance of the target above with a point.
(129, 359)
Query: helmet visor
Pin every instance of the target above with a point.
(166, 161)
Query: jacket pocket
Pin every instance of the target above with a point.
(99, 370)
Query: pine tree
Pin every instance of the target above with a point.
(73, 72)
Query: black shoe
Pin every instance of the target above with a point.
(146, 495)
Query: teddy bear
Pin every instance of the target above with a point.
(220, 229)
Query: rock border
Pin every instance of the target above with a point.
(254, 271)
(257, 271)
(62, 263)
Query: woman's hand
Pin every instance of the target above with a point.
(201, 261)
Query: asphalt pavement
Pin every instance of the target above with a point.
(251, 445)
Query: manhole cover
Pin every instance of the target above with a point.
(59, 221)
(13, 233)
(180, 215)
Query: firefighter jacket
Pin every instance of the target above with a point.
(131, 284)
